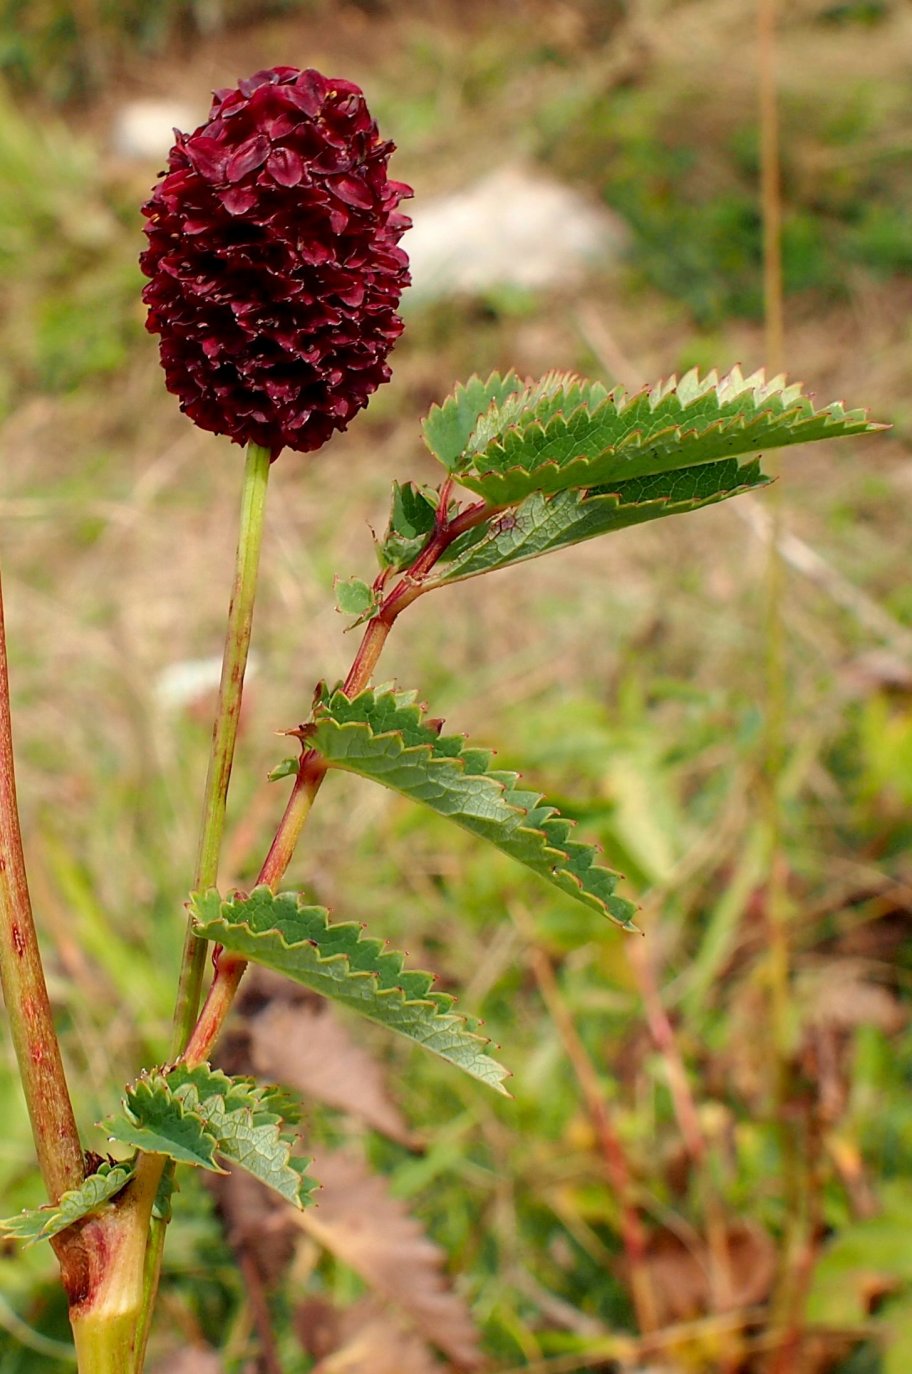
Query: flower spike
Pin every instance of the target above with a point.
(274, 269)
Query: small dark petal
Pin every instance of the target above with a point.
(237, 200)
(267, 77)
(227, 103)
(286, 166)
(208, 157)
(353, 296)
(273, 272)
(280, 125)
(308, 92)
(200, 225)
(247, 157)
(338, 86)
(315, 252)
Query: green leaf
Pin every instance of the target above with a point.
(155, 1121)
(192, 1115)
(41, 1223)
(447, 428)
(383, 735)
(541, 524)
(354, 597)
(340, 962)
(286, 769)
(412, 519)
(561, 433)
(249, 1121)
(413, 512)
(873, 1245)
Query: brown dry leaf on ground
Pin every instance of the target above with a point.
(358, 1220)
(681, 1272)
(363, 1339)
(257, 1222)
(841, 994)
(303, 1045)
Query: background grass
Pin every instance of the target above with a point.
(628, 678)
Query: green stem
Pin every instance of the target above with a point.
(107, 1323)
(24, 989)
(151, 1168)
(224, 732)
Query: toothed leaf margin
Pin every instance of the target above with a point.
(337, 960)
(384, 735)
(43, 1223)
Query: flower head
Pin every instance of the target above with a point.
(273, 261)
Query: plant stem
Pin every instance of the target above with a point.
(230, 967)
(108, 1324)
(24, 990)
(224, 731)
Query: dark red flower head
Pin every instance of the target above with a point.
(275, 274)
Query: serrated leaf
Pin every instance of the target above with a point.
(562, 434)
(192, 1114)
(542, 524)
(354, 597)
(447, 428)
(248, 1121)
(383, 735)
(413, 512)
(155, 1121)
(41, 1223)
(337, 960)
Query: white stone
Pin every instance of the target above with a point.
(516, 227)
(143, 130)
(193, 679)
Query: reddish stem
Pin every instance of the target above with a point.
(24, 989)
(28, 1008)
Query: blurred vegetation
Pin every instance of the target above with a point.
(629, 679)
(63, 51)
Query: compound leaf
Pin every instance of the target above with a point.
(382, 734)
(337, 960)
(562, 433)
(41, 1223)
(543, 523)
